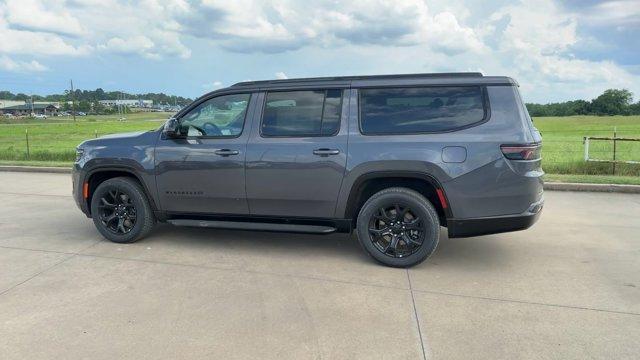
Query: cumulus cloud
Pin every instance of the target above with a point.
(213, 85)
(538, 42)
(50, 16)
(8, 64)
(280, 75)
(257, 26)
(535, 44)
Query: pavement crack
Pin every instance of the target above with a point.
(71, 255)
(37, 274)
(415, 313)
(528, 302)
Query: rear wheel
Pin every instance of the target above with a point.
(121, 211)
(398, 227)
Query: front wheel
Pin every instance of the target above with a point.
(398, 227)
(121, 211)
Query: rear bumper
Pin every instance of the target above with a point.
(495, 224)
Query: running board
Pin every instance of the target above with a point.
(255, 226)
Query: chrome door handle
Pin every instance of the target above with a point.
(326, 152)
(226, 152)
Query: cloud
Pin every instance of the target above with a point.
(50, 16)
(535, 45)
(556, 49)
(213, 85)
(45, 28)
(250, 26)
(280, 75)
(11, 65)
(618, 13)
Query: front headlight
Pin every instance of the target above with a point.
(79, 153)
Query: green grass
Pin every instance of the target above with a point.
(593, 179)
(563, 149)
(54, 139)
(66, 164)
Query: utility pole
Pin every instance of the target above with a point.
(32, 113)
(73, 102)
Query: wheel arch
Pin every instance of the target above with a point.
(97, 176)
(370, 183)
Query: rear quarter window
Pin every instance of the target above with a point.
(418, 110)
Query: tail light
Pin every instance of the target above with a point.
(522, 152)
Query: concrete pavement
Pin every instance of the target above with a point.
(567, 288)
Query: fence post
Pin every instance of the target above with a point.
(614, 149)
(26, 135)
(586, 148)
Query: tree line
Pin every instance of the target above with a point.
(92, 96)
(610, 102)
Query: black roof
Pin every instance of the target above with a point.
(456, 78)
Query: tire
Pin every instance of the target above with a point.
(135, 214)
(416, 230)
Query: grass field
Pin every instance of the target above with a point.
(563, 149)
(54, 140)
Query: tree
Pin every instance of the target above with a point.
(83, 106)
(612, 102)
(634, 109)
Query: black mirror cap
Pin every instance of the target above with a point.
(171, 128)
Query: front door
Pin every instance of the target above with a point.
(297, 154)
(202, 171)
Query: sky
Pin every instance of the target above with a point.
(557, 50)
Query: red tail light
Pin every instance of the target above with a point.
(522, 152)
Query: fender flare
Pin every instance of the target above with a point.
(355, 189)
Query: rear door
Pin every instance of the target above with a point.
(297, 153)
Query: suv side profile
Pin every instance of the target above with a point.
(393, 157)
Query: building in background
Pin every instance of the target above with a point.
(7, 103)
(135, 103)
(27, 109)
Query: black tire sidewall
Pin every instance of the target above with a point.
(417, 203)
(140, 204)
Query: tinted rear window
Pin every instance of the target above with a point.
(419, 110)
(302, 113)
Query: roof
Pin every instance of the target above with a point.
(28, 107)
(458, 78)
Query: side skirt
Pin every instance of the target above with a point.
(258, 223)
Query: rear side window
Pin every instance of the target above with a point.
(420, 110)
(302, 113)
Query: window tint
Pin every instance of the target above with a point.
(418, 110)
(221, 116)
(302, 113)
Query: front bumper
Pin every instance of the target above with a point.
(77, 179)
(495, 224)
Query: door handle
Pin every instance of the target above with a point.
(326, 152)
(226, 152)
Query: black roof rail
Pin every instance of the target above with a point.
(362, 77)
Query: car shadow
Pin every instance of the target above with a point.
(258, 242)
(462, 253)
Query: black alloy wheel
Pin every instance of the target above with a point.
(396, 230)
(117, 211)
(120, 210)
(398, 227)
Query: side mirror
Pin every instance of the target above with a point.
(171, 128)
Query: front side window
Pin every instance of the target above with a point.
(221, 116)
(302, 113)
(419, 110)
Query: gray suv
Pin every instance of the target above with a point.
(395, 158)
